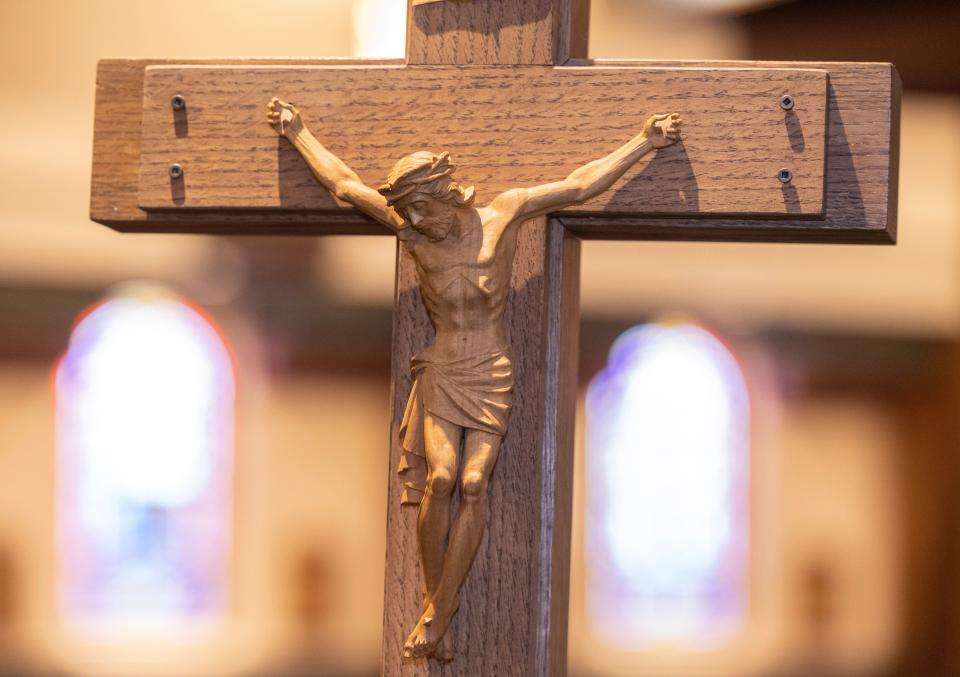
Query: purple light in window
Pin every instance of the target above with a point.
(667, 460)
(145, 437)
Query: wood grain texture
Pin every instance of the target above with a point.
(860, 201)
(863, 155)
(115, 170)
(562, 351)
(505, 127)
(501, 32)
(514, 603)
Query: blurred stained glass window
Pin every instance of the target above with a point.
(667, 491)
(144, 402)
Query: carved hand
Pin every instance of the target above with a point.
(284, 118)
(662, 130)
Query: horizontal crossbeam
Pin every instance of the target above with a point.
(506, 127)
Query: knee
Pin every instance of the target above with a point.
(440, 482)
(474, 485)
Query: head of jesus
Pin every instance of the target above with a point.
(421, 189)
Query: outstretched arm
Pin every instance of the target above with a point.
(330, 170)
(591, 179)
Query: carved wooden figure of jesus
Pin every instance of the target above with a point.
(463, 382)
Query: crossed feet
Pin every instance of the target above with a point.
(429, 637)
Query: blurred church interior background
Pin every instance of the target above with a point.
(193, 429)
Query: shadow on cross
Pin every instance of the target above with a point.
(298, 188)
(666, 181)
(794, 131)
(843, 194)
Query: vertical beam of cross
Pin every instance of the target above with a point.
(513, 613)
(497, 32)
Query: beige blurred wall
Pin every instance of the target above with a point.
(825, 500)
(308, 483)
(302, 442)
(49, 53)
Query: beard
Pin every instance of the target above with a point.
(434, 229)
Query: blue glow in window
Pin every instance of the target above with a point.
(145, 438)
(667, 492)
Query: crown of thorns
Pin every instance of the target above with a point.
(415, 171)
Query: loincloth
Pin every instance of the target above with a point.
(472, 392)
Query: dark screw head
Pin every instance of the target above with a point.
(786, 102)
(176, 171)
(785, 175)
(178, 102)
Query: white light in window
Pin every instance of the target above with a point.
(144, 423)
(667, 463)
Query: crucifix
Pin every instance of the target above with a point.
(559, 148)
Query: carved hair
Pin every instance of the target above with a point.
(424, 172)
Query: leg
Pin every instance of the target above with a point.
(442, 442)
(480, 455)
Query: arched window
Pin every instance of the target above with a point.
(667, 454)
(144, 400)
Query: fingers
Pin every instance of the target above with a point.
(672, 119)
(273, 115)
(667, 126)
(280, 112)
(275, 104)
(671, 126)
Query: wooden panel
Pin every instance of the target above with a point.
(860, 202)
(863, 159)
(513, 614)
(505, 32)
(506, 127)
(115, 175)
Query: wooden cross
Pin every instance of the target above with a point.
(770, 152)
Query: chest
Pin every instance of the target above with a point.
(479, 253)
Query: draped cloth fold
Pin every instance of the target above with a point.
(473, 392)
